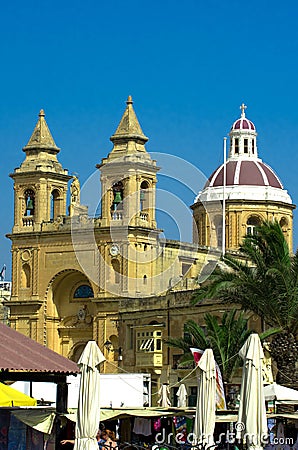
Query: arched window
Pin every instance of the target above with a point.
(54, 204)
(236, 146)
(245, 145)
(113, 339)
(116, 267)
(26, 276)
(145, 279)
(144, 197)
(77, 351)
(29, 202)
(118, 192)
(283, 224)
(83, 291)
(251, 225)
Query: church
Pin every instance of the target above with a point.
(109, 275)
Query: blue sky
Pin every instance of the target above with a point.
(188, 65)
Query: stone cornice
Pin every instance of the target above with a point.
(40, 174)
(207, 204)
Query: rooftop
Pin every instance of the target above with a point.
(19, 353)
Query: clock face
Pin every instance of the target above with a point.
(114, 250)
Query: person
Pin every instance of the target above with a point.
(99, 438)
(110, 439)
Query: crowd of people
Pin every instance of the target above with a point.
(106, 440)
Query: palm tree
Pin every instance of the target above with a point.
(225, 339)
(265, 282)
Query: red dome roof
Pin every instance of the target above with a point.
(245, 173)
(243, 124)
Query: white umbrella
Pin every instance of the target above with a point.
(206, 400)
(88, 415)
(182, 396)
(281, 394)
(164, 393)
(252, 421)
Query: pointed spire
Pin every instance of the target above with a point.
(41, 137)
(129, 129)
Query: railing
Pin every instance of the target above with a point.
(28, 221)
(144, 216)
(116, 215)
(5, 286)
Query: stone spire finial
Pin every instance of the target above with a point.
(41, 137)
(243, 107)
(129, 131)
(129, 100)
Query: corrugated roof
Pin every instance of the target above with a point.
(20, 353)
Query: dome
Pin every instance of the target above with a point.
(243, 124)
(247, 176)
(245, 173)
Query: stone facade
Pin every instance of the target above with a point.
(69, 270)
(107, 274)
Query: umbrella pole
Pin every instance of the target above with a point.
(61, 407)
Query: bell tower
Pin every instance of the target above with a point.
(40, 183)
(40, 193)
(128, 176)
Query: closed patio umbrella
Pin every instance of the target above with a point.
(164, 393)
(252, 421)
(205, 410)
(182, 396)
(88, 415)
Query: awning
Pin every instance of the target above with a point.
(281, 394)
(122, 413)
(12, 397)
(43, 419)
(40, 420)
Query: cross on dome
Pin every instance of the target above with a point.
(243, 108)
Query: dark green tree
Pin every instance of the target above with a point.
(263, 280)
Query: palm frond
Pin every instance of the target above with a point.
(266, 282)
(225, 337)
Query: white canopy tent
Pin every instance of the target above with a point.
(281, 394)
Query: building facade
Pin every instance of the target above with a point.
(108, 274)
